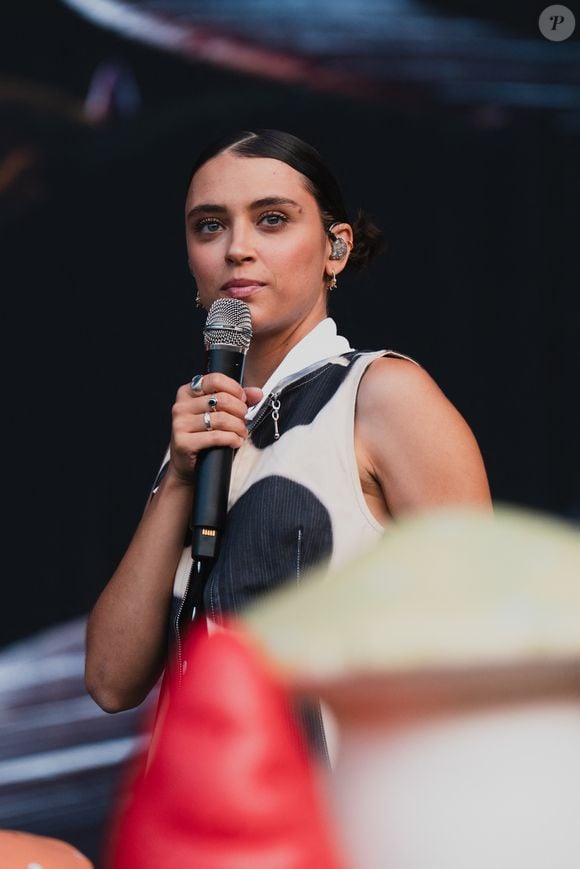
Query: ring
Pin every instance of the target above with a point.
(195, 384)
(207, 420)
(213, 403)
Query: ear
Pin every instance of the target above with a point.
(338, 231)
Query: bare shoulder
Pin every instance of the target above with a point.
(393, 383)
(418, 445)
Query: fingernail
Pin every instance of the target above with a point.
(244, 396)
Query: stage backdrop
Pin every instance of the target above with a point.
(459, 134)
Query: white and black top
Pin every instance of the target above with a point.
(295, 498)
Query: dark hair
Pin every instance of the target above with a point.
(289, 149)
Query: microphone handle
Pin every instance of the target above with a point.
(213, 469)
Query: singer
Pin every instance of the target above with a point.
(331, 444)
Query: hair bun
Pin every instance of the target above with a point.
(369, 241)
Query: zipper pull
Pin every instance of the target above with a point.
(275, 404)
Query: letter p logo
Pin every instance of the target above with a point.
(557, 23)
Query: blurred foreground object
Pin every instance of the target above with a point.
(229, 781)
(450, 656)
(60, 754)
(25, 850)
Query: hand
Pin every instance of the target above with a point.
(189, 435)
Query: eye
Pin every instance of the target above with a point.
(208, 226)
(273, 218)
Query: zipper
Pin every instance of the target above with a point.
(272, 403)
(275, 405)
(269, 402)
(211, 606)
(176, 628)
(299, 555)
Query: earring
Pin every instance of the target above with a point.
(332, 282)
(197, 299)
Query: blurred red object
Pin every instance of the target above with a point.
(229, 782)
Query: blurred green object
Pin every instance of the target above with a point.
(444, 593)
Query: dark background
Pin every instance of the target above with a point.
(479, 204)
(456, 129)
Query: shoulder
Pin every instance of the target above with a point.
(415, 442)
(393, 383)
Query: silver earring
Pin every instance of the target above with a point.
(339, 247)
(197, 299)
(332, 282)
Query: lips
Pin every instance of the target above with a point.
(241, 287)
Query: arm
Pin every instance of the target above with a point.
(417, 445)
(127, 628)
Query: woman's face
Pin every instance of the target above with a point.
(254, 232)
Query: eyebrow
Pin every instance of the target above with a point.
(209, 208)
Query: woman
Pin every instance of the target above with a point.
(332, 445)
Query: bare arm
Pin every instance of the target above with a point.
(127, 628)
(418, 446)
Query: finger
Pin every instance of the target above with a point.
(194, 423)
(221, 421)
(216, 382)
(189, 445)
(253, 395)
(188, 405)
(225, 402)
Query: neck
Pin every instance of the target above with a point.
(268, 350)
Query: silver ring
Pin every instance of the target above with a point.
(212, 403)
(207, 420)
(195, 384)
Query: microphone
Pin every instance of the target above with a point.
(227, 335)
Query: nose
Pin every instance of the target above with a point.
(240, 247)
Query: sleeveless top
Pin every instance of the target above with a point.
(295, 499)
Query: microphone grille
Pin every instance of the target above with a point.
(228, 322)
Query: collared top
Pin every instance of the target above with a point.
(295, 497)
(322, 342)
